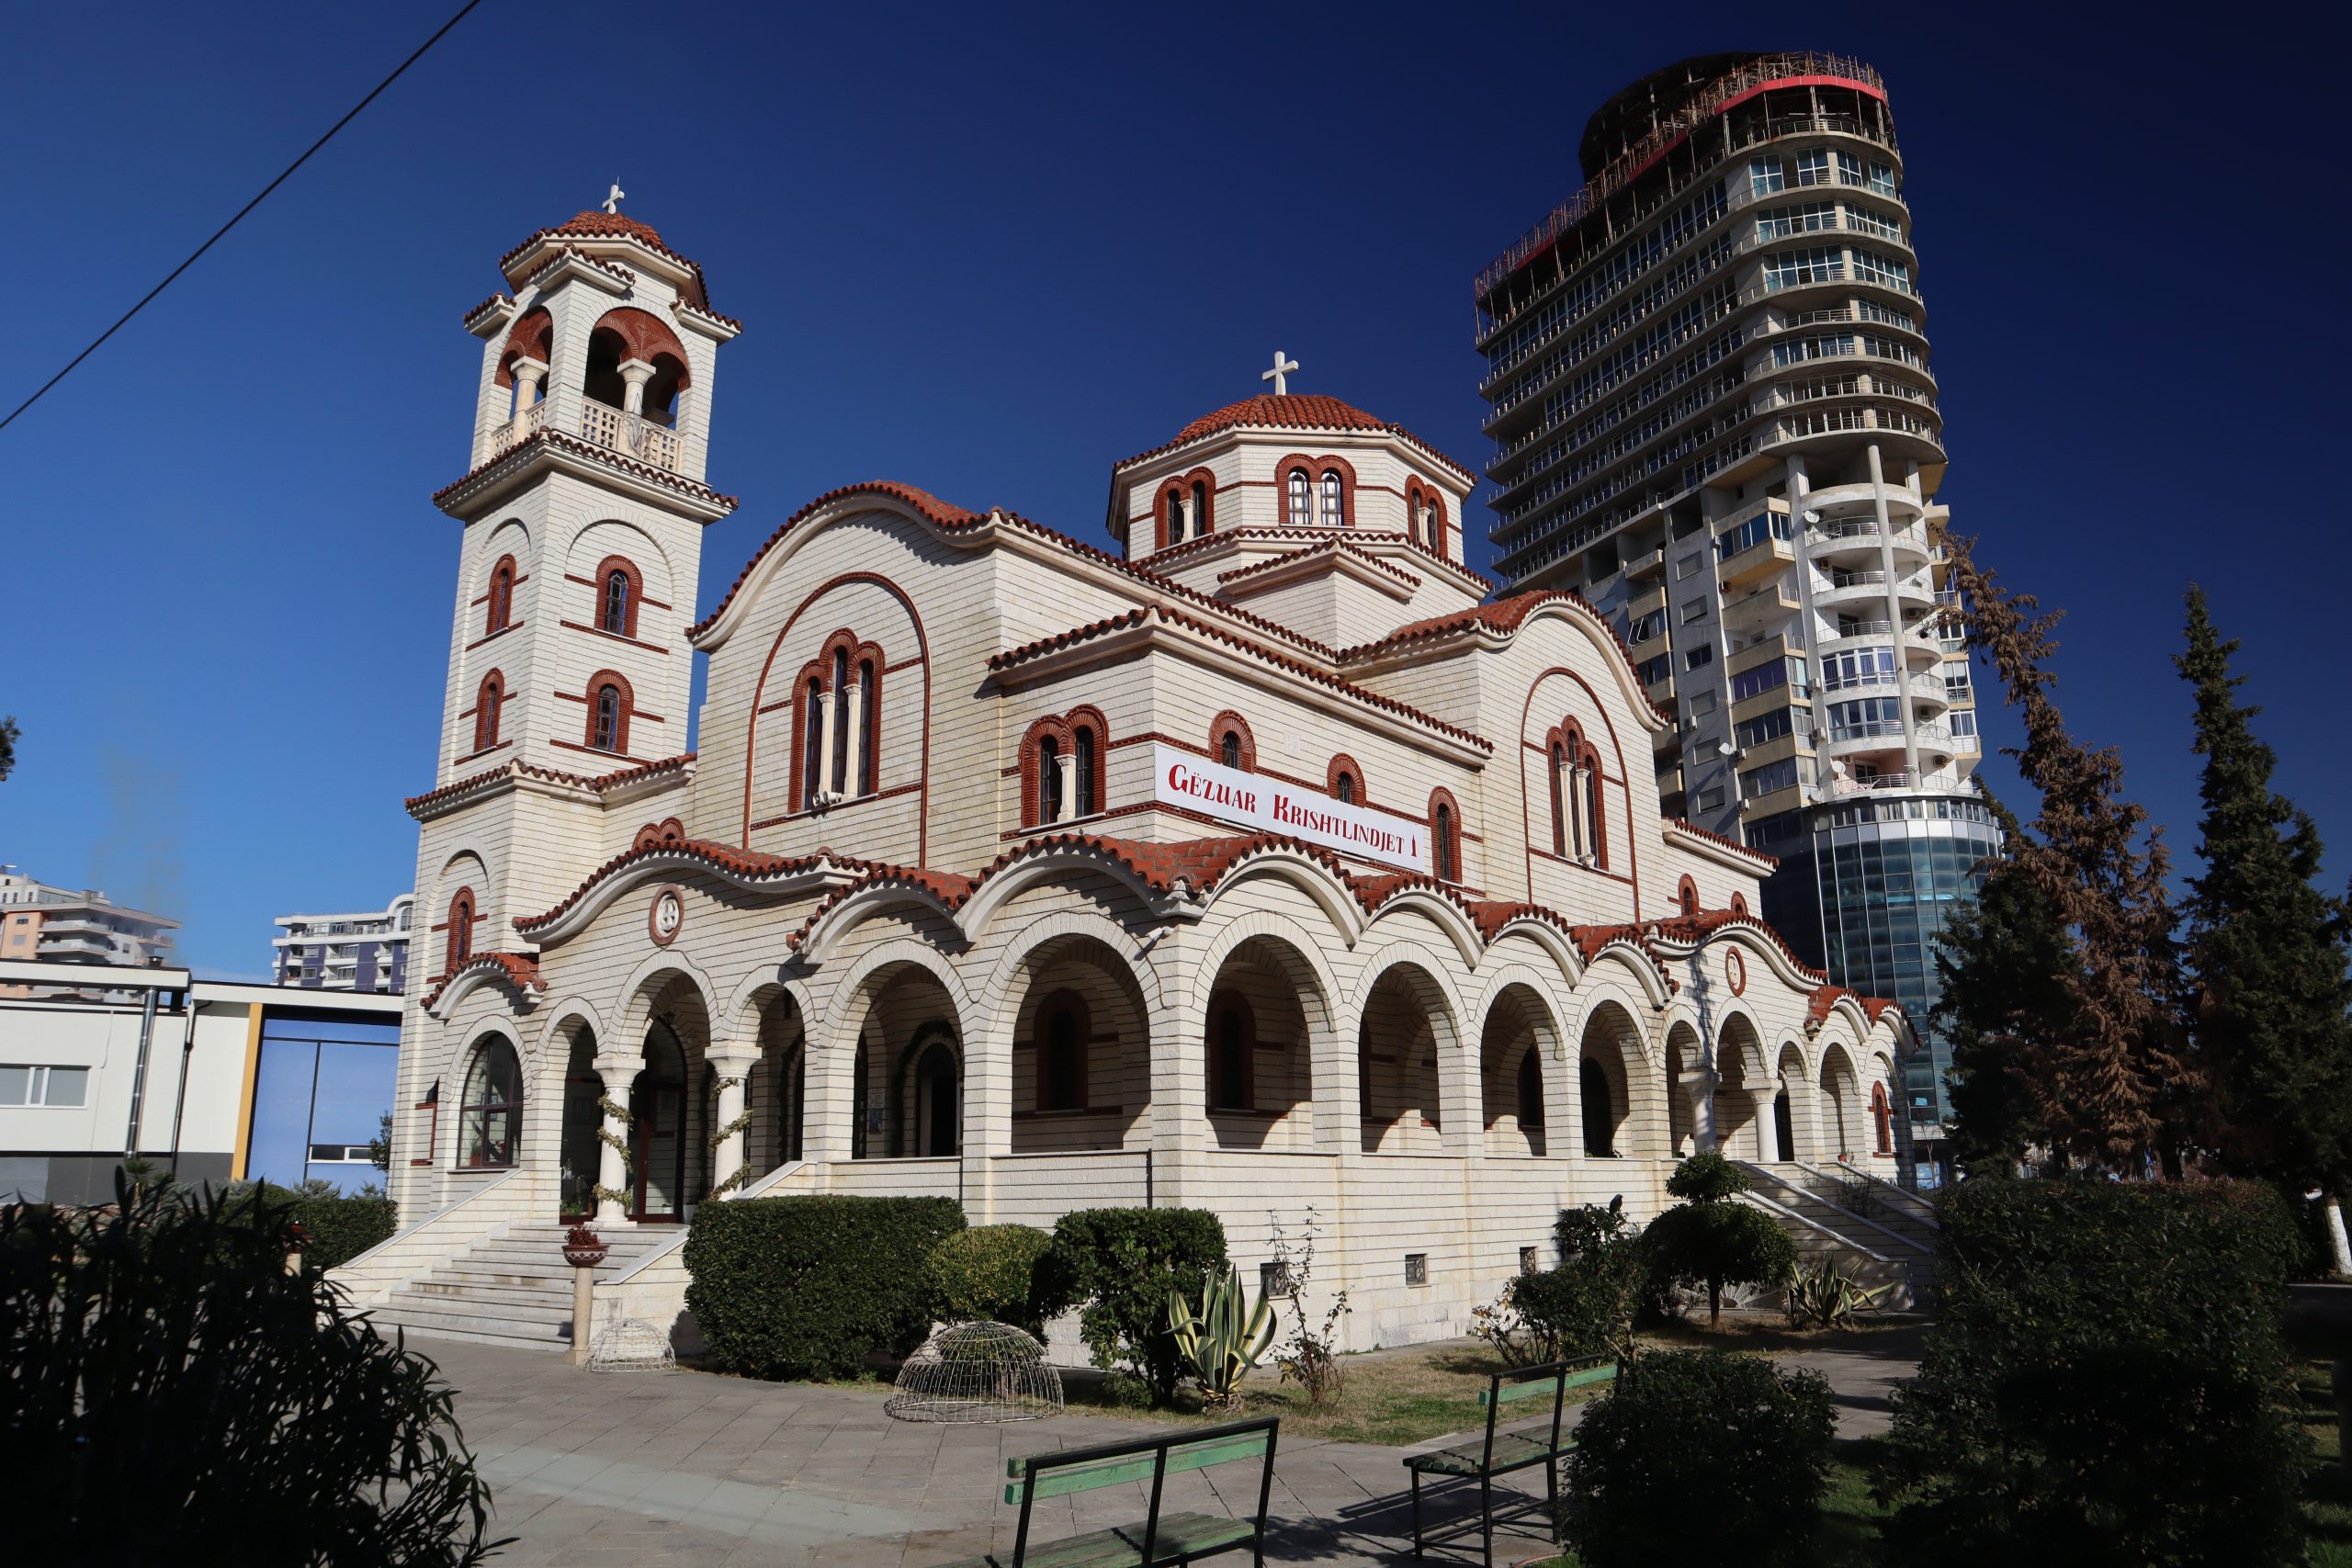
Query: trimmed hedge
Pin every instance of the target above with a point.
(344, 1225)
(808, 1287)
(2103, 1383)
(989, 1273)
(1122, 1263)
(1701, 1456)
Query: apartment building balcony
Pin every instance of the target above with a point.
(1847, 540)
(1649, 648)
(616, 430)
(1643, 564)
(1870, 586)
(1766, 557)
(99, 948)
(1766, 602)
(1661, 692)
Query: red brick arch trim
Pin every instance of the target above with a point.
(1418, 493)
(1339, 764)
(1179, 488)
(604, 570)
(1568, 739)
(1089, 717)
(1445, 840)
(490, 702)
(457, 939)
(1057, 729)
(498, 612)
(1686, 898)
(1231, 723)
(644, 335)
(1316, 467)
(1739, 903)
(596, 683)
(531, 337)
(819, 671)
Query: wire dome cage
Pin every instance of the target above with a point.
(976, 1372)
(630, 1345)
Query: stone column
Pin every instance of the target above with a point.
(988, 1117)
(853, 705)
(636, 373)
(528, 374)
(733, 1063)
(1768, 1134)
(620, 1076)
(1895, 617)
(1699, 1086)
(1066, 764)
(1179, 1127)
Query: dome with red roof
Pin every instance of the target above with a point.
(1284, 411)
(595, 220)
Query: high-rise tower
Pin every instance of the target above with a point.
(1712, 416)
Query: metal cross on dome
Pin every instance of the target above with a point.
(615, 197)
(1282, 368)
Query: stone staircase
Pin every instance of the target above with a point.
(1868, 1234)
(511, 1287)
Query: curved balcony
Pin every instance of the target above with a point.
(1854, 541)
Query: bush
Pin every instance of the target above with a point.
(1122, 1263)
(2102, 1384)
(989, 1273)
(1707, 1177)
(1701, 1456)
(1584, 1307)
(1717, 1244)
(340, 1225)
(173, 1395)
(808, 1287)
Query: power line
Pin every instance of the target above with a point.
(239, 218)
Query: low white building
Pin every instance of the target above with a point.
(1260, 862)
(364, 951)
(212, 1080)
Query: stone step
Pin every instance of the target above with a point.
(408, 1304)
(467, 1290)
(443, 1325)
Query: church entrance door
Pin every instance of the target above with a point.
(657, 1107)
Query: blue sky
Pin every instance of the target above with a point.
(992, 250)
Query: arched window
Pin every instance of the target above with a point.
(457, 944)
(1596, 842)
(1739, 903)
(1085, 754)
(812, 742)
(1882, 1122)
(1686, 898)
(607, 717)
(1335, 514)
(1302, 500)
(501, 598)
(1599, 1109)
(1049, 780)
(1200, 508)
(1445, 842)
(619, 602)
(491, 1130)
(1228, 751)
(841, 721)
(1171, 506)
(1531, 1090)
(1061, 1053)
(1231, 743)
(1559, 800)
(1344, 792)
(487, 703)
(869, 743)
(1233, 1040)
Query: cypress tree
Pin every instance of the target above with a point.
(2267, 951)
(2104, 1054)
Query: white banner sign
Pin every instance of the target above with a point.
(1179, 778)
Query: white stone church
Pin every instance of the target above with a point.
(1254, 862)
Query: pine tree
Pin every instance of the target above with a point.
(2105, 1059)
(2268, 951)
(1999, 963)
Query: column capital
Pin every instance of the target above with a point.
(636, 372)
(733, 1061)
(528, 369)
(609, 1064)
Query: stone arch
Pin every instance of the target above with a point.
(610, 539)
(573, 1085)
(491, 1073)
(656, 973)
(1688, 1085)
(1079, 1049)
(1520, 1058)
(900, 991)
(1794, 1128)
(1743, 1087)
(1002, 982)
(1408, 1056)
(1262, 1041)
(769, 1017)
(1842, 1109)
(1611, 1069)
(1307, 874)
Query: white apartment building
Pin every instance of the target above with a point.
(365, 951)
(40, 921)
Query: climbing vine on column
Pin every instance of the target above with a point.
(717, 1139)
(614, 1111)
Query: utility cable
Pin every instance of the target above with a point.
(241, 211)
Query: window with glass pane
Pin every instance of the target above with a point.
(1765, 176)
(1815, 166)
(616, 602)
(1334, 509)
(1049, 780)
(492, 1110)
(608, 718)
(1882, 179)
(1302, 500)
(1082, 748)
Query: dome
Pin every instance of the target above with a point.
(595, 220)
(1289, 411)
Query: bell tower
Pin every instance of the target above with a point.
(581, 514)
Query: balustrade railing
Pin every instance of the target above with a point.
(614, 429)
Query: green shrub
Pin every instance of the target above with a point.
(1121, 1264)
(175, 1395)
(1715, 1244)
(1707, 1177)
(2102, 1385)
(1701, 1456)
(1581, 1307)
(989, 1273)
(340, 1225)
(808, 1287)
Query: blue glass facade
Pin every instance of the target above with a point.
(320, 1092)
(1863, 892)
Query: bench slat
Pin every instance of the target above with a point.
(1591, 1375)
(1113, 1469)
(1529, 1389)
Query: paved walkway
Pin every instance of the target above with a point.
(627, 1468)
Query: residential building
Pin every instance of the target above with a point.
(212, 1080)
(361, 952)
(1257, 861)
(1712, 417)
(38, 921)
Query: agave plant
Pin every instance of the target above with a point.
(1221, 1340)
(1827, 1297)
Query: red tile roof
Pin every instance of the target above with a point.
(1825, 998)
(589, 448)
(596, 224)
(1294, 411)
(1727, 843)
(520, 970)
(1333, 546)
(718, 856)
(1386, 536)
(1142, 613)
(1501, 615)
(527, 769)
(944, 513)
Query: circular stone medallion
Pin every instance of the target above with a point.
(1735, 970)
(669, 913)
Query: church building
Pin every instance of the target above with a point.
(1246, 855)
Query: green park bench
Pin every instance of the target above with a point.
(1159, 1539)
(1501, 1452)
